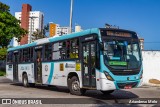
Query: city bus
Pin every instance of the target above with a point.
(104, 59)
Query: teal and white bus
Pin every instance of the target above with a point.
(102, 59)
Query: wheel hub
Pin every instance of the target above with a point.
(25, 81)
(75, 86)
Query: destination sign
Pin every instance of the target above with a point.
(116, 33)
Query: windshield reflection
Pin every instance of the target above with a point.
(122, 54)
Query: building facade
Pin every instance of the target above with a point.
(78, 28)
(30, 20)
(56, 29)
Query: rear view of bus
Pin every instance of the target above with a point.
(121, 61)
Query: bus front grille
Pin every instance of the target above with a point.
(122, 85)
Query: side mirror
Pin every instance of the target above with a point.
(101, 46)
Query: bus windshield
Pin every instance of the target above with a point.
(122, 54)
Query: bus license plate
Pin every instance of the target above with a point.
(128, 87)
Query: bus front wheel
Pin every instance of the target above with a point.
(25, 80)
(74, 86)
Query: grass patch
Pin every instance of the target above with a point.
(2, 73)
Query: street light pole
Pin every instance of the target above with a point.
(71, 13)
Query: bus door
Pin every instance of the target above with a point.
(38, 66)
(88, 64)
(15, 67)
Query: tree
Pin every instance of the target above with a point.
(41, 34)
(3, 52)
(37, 34)
(9, 26)
(46, 29)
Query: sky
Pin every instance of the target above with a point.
(141, 16)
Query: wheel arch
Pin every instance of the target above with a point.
(70, 75)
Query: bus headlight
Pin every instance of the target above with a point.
(108, 76)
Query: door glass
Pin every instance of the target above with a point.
(15, 66)
(86, 64)
(39, 66)
(93, 62)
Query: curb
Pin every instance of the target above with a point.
(149, 85)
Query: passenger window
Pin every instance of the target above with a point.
(48, 52)
(10, 57)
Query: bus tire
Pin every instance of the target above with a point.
(74, 86)
(107, 92)
(25, 80)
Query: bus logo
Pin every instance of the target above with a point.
(46, 68)
(70, 65)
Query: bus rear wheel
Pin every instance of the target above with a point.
(74, 86)
(25, 80)
(107, 92)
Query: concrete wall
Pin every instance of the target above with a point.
(151, 65)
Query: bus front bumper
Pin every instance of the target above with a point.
(113, 85)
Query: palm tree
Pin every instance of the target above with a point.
(41, 34)
(37, 34)
(45, 30)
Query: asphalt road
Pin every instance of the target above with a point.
(91, 98)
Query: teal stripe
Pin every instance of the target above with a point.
(51, 73)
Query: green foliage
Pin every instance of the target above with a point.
(41, 34)
(2, 73)
(38, 34)
(3, 53)
(9, 26)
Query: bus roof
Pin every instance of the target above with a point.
(56, 38)
(66, 36)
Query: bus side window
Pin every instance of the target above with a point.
(31, 54)
(62, 49)
(74, 51)
(98, 56)
(55, 51)
(10, 57)
(68, 49)
(20, 56)
(26, 55)
(48, 52)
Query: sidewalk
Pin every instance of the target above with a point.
(150, 85)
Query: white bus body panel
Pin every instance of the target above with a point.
(105, 83)
(56, 73)
(98, 85)
(9, 71)
(29, 69)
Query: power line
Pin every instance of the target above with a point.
(151, 42)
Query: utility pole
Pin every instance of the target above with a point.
(71, 13)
